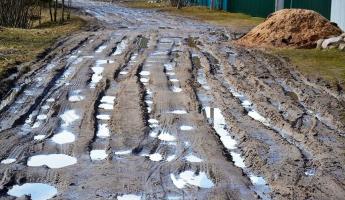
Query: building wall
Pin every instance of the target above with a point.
(338, 13)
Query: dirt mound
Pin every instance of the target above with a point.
(297, 28)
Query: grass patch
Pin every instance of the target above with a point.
(23, 45)
(234, 20)
(327, 64)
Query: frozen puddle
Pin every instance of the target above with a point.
(101, 49)
(144, 73)
(310, 172)
(108, 99)
(191, 178)
(64, 137)
(155, 157)
(8, 161)
(120, 47)
(75, 96)
(178, 112)
(97, 72)
(42, 117)
(53, 161)
(37, 191)
(39, 137)
(69, 117)
(129, 197)
(98, 155)
(216, 118)
(176, 89)
(186, 128)
(165, 136)
(219, 124)
(103, 131)
(103, 117)
(192, 158)
(171, 158)
(125, 152)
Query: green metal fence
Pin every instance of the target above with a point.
(321, 6)
(256, 8)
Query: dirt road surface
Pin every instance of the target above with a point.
(150, 106)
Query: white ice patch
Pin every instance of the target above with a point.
(219, 125)
(125, 152)
(153, 133)
(97, 76)
(149, 102)
(178, 112)
(120, 47)
(186, 128)
(103, 117)
(103, 131)
(36, 125)
(156, 157)
(171, 73)
(255, 115)
(192, 158)
(108, 99)
(101, 49)
(64, 137)
(69, 117)
(153, 121)
(123, 72)
(174, 80)
(50, 100)
(238, 160)
(8, 161)
(53, 161)
(169, 66)
(39, 137)
(171, 158)
(129, 197)
(36, 191)
(106, 106)
(165, 136)
(45, 107)
(144, 80)
(75, 98)
(144, 73)
(190, 178)
(98, 154)
(310, 172)
(260, 186)
(42, 117)
(176, 89)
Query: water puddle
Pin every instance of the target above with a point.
(53, 161)
(192, 158)
(8, 161)
(98, 155)
(64, 137)
(191, 178)
(129, 197)
(36, 191)
(155, 157)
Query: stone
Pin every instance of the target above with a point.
(319, 43)
(342, 35)
(330, 41)
(342, 47)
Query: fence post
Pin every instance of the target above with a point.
(279, 5)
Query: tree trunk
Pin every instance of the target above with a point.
(63, 11)
(55, 9)
(50, 11)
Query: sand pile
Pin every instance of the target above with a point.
(297, 28)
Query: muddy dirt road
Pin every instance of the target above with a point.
(151, 106)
